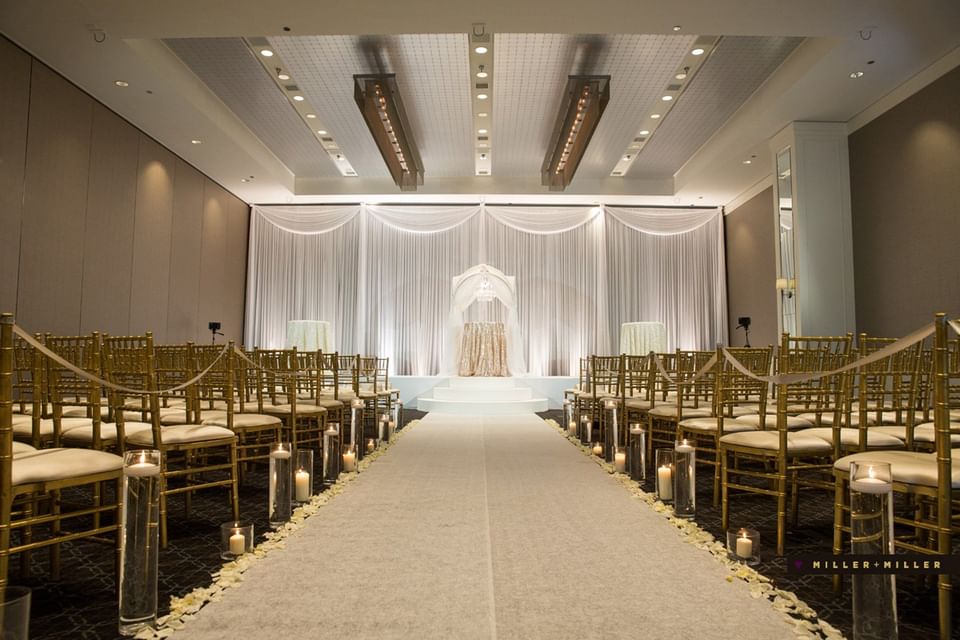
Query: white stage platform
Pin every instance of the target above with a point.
(482, 396)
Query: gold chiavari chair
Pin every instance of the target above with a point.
(779, 461)
(33, 514)
(222, 387)
(689, 397)
(175, 364)
(32, 424)
(876, 394)
(602, 379)
(736, 394)
(639, 388)
(303, 422)
(583, 381)
(321, 370)
(193, 456)
(927, 479)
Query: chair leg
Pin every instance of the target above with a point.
(781, 512)
(838, 494)
(118, 533)
(234, 486)
(163, 501)
(794, 499)
(716, 471)
(55, 529)
(725, 492)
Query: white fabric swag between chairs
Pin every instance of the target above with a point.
(381, 275)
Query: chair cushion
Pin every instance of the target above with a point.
(172, 416)
(926, 433)
(827, 419)
(22, 447)
(108, 432)
(181, 434)
(770, 421)
(302, 409)
(46, 465)
(637, 403)
(909, 467)
(327, 402)
(797, 442)
(25, 429)
(709, 425)
(746, 410)
(244, 420)
(850, 437)
(670, 411)
(81, 412)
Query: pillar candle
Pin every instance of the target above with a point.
(303, 485)
(349, 461)
(238, 543)
(744, 546)
(665, 483)
(619, 461)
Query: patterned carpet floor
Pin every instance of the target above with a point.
(83, 603)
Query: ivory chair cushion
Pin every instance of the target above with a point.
(173, 416)
(927, 433)
(108, 432)
(24, 429)
(827, 419)
(181, 434)
(302, 409)
(909, 467)
(46, 465)
(770, 421)
(241, 420)
(709, 425)
(670, 411)
(747, 410)
(851, 437)
(797, 442)
(81, 412)
(637, 403)
(22, 447)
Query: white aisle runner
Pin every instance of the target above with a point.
(490, 527)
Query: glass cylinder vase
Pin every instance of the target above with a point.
(139, 546)
(568, 422)
(586, 429)
(331, 454)
(349, 458)
(303, 476)
(15, 613)
(743, 544)
(611, 436)
(397, 414)
(637, 453)
(383, 428)
(356, 424)
(685, 479)
(279, 504)
(236, 539)
(871, 533)
(665, 467)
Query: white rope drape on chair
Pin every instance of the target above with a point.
(382, 274)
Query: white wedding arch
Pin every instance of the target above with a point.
(483, 282)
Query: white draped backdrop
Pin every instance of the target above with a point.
(381, 275)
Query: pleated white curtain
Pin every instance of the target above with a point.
(381, 275)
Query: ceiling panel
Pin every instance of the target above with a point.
(735, 69)
(229, 68)
(433, 77)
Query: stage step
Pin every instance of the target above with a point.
(483, 394)
(483, 408)
(482, 383)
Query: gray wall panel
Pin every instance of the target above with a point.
(14, 105)
(185, 250)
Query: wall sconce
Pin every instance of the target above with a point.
(786, 286)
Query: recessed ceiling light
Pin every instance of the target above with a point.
(283, 76)
(298, 98)
(483, 145)
(644, 133)
(121, 83)
(667, 98)
(681, 76)
(676, 27)
(482, 114)
(266, 53)
(697, 52)
(626, 157)
(856, 74)
(481, 50)
(481, 131)
(482, 73)
(244, 180)
(311, 115)
(654, 115)
(322, 132)
(481, 96)
(748, 161)
(195, 141)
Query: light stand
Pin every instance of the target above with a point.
(745, 325)
(214, 331)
